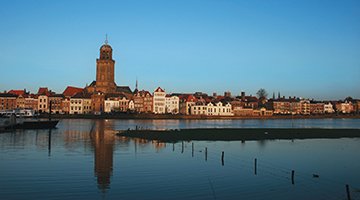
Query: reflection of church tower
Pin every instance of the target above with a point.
(103, 143)
(105, 70)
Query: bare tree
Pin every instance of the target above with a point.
(262, 94)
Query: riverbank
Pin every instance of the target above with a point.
(243, 134)
(192, 117)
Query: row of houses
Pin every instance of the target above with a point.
(76, 101)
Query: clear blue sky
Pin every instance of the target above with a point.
(308, 49)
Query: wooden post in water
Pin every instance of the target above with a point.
(173, 146)
(50, 111)
(192, 149)
(205, 153)
(348, 192)
(292, 177)
(222, 158)
(182, 146)
(255, 165)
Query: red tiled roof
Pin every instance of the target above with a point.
(42, 90)
(70, 91)
(17, 92)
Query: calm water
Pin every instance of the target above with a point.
(84, 159)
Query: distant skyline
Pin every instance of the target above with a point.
(308, 49)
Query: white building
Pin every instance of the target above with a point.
(199, 108)
(328, 108)
(110, 104)
(172, 104)
(76, 105)
(305, 107)
(159, 101)
(42, 103)
(131, 105)
(219, 109)
(215, 109)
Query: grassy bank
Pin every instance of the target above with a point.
(228, 134)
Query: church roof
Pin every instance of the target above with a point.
(124, 89)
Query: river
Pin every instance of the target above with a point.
(84, 159)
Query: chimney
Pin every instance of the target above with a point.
(242, 96)
(214, 94)
(289, 97)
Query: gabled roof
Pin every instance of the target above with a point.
(42, 90)
(70, 91)
(143, 93)
(159, 90)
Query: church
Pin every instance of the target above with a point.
(105, 74)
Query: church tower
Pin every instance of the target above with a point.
(105, 70)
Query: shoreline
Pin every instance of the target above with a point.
(194, 117)
(239, 134)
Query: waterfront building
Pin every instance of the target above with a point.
(305, 107)
(186, 101)
(76, 104)
(131, 105)
(243, 111)
(199, 108)
(172, 104)
(262, 112)
(111, 104)
(159, 101)
(20, 102)
(31, 103)
(56, 102)
(219, 109)
(97, 100)
(65, 106)
(143, 102)
(87, 104)
(7, 101)
(328, 108)
(343, 106)
(124, 104)
(42, 103)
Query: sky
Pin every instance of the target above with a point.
(306, 48)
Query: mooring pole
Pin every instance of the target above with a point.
(192, 149)
(205, 153)
(222, 158)
(255, 165)
(348, 192)
(292, 177)
(50, 111)
(182, 146)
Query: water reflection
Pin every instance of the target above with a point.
(103, 138)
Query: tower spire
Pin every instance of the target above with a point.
(136, 83)
(106, 41)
